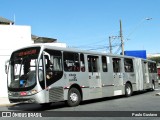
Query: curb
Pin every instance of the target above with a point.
(4, 102)
(7, 104)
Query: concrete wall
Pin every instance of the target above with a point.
(12, 37)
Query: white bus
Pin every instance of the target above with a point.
(46, 74)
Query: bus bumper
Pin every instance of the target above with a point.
(16, 97)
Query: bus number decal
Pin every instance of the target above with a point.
(72, 77)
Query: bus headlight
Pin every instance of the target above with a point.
(22, 93)
(9, 93)
(34, 92)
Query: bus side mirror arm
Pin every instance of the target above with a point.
(6, 66)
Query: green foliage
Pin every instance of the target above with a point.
(157, 59)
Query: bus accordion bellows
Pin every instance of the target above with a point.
(45, 74)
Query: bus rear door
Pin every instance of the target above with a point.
(145, 74)
(117, 76)
(94, 74)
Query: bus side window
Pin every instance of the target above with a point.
(104, 64)
(71, 62)
(41, 73)
(152, 67)
(57, 63)
(82, 63)
(116, 65)
(149, 67)
(53, 64)
(128, 65)
(93, 63)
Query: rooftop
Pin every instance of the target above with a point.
(5, 21)
(38, 39)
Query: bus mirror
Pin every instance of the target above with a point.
(6, 69)
(6, 66)
(40, 75)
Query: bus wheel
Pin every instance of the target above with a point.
(74, 97)
(46, 105)
(128, 90)
(153, 86)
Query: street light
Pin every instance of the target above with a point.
(138, 26)
(148, 18)
(121, 35)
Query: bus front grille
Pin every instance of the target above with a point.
(56, 94)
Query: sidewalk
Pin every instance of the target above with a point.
(4, 101)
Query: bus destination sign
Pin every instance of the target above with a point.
(29, 52)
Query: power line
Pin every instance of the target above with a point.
(92, 43)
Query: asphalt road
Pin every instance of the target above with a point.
(141, 102)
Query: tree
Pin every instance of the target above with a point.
(156, 59)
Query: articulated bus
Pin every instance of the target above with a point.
(43, 73)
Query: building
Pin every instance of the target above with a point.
(38, 39)
(13, 37)
(4, 21)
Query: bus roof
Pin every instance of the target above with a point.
(69, 49)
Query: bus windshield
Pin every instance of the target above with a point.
(23, 64)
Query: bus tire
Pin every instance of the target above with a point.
(74, 97)
(46, 105)
(128, 90)
(153, 86)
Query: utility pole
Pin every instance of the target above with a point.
(110, 45)
(121, 36)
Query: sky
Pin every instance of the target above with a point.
(88, 24)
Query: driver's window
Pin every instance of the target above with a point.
(41, 73)
(53, 64)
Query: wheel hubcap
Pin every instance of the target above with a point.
(74, 97)
(128, 90)
(153, 86)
